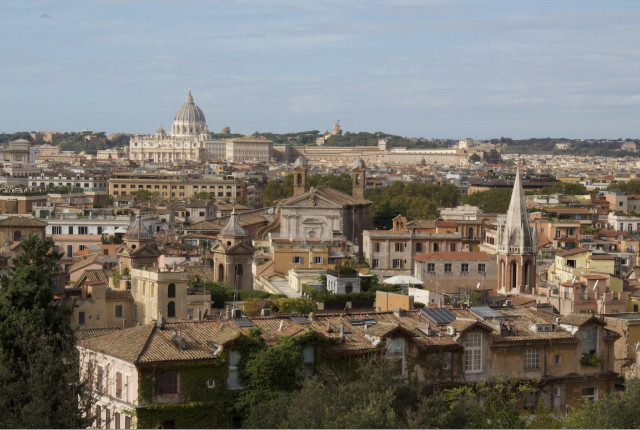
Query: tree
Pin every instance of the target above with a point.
(110, 200)
(145, 195)
(495, 200)
(204, 195)
(474, 158)
(40, 384)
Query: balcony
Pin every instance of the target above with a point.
(474, 239)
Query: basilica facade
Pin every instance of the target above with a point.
(185, 142)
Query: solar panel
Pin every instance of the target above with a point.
(243, 323)
(485, 312)
(440, 316)
(300, 320)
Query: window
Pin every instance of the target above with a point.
(397, 264)
(431, 267)
(398, 247)
(418, 247)
(189, 313)
(118, 387)
(83, 230)
(167, 383)
(531, 359)
(98, 417)
(117, 420)
(309, 353)
(395, 347)
(118, 311)
(558, 359)
(590, 393)
(99, 378)
(171, 310)
(211, 383)
(473, 353)
(127, 422)
(447, 267)
(135, 312)
(590, 340)
(70, 230)
(233, 380)
(482, 268)
(99, 230)
(81, 318)
(556, 391)
(318, 260)
(56, 229)
(171, 291)
(298, 260)
(376, 264)
(464, 267)
(377, 247)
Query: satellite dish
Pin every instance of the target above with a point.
(595, 285)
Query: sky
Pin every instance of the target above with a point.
(432, 69)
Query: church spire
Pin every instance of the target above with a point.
(517, 232)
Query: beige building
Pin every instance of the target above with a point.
(185, 142)
(16, 151)
(249, 148)
(47, 136)
(48, 150)
(114, 154)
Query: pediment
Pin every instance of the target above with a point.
(312, 221)
(306, 201)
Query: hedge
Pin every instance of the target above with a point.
(366, 299)
(418, 305)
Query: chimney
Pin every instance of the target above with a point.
(124, 324)
(397, 312)
(329, 328)
(428, 329)
(342, 332)
(199, 314)
(160, 321)
(311, 316)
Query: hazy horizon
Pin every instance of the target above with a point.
(451, 69)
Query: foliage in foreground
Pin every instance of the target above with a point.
(40, 385)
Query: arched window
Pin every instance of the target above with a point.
(358, 179)
(17, 236)
(171, 291)
(299, 178)
(239, 269)
(348, 288)
(171, 310)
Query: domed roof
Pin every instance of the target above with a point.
(233, 227)
(301, 161)
(189, 112)
(160, 130)
(359, 162)
(137, 230)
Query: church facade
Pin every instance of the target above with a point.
(322, 212)
(184, 142)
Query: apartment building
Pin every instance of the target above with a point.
(456, 272)
(391, 252)
(48, 149)
(530, 343)
(68, 179)
(249, 148)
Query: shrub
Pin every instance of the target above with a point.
(277, 296)
(418, 305)
(384, 287)
(313, 293)
(299, 304)
(252, 294)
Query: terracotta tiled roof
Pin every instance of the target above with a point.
(84, 263)
(579, 320)
(572, 252)
(102, 275)
(603, 257)
(126, 344)
(470, 256)
(22, 221)
(446, 224)
(86, 333)
(421, 223)
(118, 295)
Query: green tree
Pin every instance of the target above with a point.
(204, 195)
(145, 195)
(474, 158)
(40, 383)
(495, 200)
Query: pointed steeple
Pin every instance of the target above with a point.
(517, 232)
(233, 227)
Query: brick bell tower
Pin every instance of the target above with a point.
(517, 246)
(358, 178)
(300, 176)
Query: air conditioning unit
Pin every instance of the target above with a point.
(266, 312)
(236, 313)
(211, 383)
(451, 331)
(508, 302)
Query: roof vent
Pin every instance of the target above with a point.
(178, 341)
(508, 302)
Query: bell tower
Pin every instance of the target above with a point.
(358, 179)
(517, 246)
(300, 176)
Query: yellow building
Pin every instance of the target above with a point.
(97, 307)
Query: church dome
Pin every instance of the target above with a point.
(137, 230)
(160, 130)
(301, 161)
(359, 162)
(189, 112)
(233, 227)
